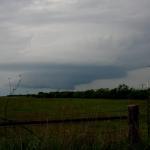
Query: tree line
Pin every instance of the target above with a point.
(121, 92)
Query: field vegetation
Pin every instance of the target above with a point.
(73, 136)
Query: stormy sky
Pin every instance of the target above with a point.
(73, 44)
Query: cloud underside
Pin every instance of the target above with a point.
(138, 78)
(62, 76)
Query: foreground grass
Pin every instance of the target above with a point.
(95, 135)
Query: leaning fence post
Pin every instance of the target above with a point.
(133, 118)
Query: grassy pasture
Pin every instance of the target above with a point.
(93, 135)
(32, 108)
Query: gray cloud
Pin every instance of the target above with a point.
(64, 31)
(61, 76)
(138, 78)
(111, 34)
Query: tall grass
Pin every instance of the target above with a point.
(105, 135)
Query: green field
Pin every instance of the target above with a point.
(92, 135)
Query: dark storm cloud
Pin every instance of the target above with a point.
(66, 77)
(62, 76)
(100, 39)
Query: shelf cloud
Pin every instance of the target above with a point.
(64, 43)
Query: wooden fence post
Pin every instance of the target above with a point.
(133, 118)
